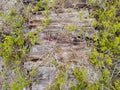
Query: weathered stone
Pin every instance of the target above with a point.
(81, 5)
(7, 5)
(60, 45)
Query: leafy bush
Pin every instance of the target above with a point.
(106, 49)
(13, 47)
(80, 76)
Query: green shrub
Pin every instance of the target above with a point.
(80, 76)
(13, 47)
(106, 49)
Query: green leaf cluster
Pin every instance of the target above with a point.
(106, 49)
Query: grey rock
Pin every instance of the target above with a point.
(61, 41)
(81, 5)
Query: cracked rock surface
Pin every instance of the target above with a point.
(60, 45)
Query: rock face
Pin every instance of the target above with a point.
(60, 45)
(7, 5)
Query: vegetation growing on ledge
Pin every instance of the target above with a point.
(105, 54)
(106, 49)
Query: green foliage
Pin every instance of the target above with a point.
(20, 83)
(81, 31)
(13, 48)
(106, 51)
(105, 76)
(94, 86)
(6, 86)
(46, 21)
(71, 27)
(106, 48)
(104, 56)
(60, 81)
(55, 63)
(13, 19)
(80, 76)
(21, 79)
(80, 15)
(95, 58)
(42, 4)
(32, 38)
(116, 85)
